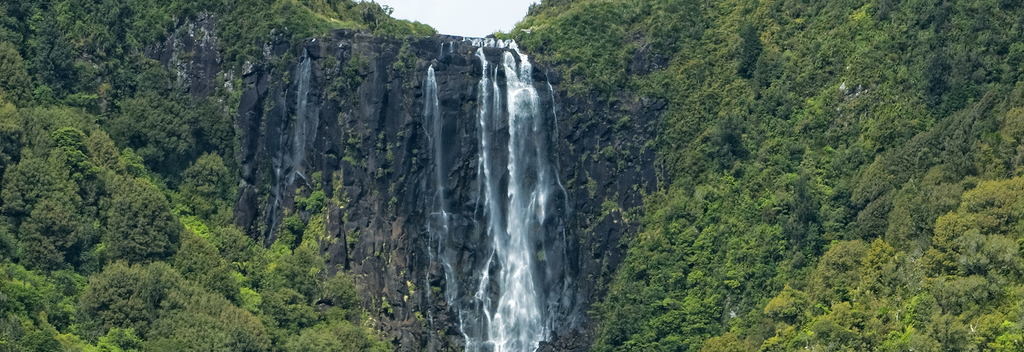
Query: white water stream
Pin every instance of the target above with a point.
(513, 209)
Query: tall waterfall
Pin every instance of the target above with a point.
(288, 166)
(506, 304)
(438, 219)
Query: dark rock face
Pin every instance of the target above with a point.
(372, 152)
(191, 53)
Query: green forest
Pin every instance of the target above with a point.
(841, 175)
(116, 229)
(844, 175)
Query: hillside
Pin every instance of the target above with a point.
(121, 171)
(842, 175)
(295, 175)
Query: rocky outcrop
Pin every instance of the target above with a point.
(190, 52)
(357, 133)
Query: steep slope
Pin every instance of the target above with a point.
(838, 156)
(306, 175)
(416, 192)
(307, 170)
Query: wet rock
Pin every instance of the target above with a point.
(371, 146)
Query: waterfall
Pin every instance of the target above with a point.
(517, 324)
(303, 116)
(303, 131)
(511, 297)
(438, 222)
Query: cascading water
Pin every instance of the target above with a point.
(438, 220)
(517, 323)
(303, 130)
(507, 301)
(303, 116)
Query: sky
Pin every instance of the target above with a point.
(467, 18)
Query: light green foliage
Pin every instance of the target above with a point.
(795, 134)
(337, 337)
(118, 340)
(175, 313)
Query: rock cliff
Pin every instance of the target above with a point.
(344, 115)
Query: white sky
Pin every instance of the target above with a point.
(467, 18)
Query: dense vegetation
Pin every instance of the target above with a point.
(844, 175)
(116, 229)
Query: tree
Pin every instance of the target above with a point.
(34, 179)
(53, 59)
(139, 226)
(158, 129)
(53, 235)
(123, 296)
(339, 336)
(750, 50)
(170, 313)
(10, 135)
(198, 260)
(728, 342)
(15, 85)
(207, 186)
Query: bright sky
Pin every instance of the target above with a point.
(467, 18)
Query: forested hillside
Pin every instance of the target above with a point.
(116, 228)
(836, 175)
(840, 175)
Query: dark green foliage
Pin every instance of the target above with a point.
(750, 50)
(10, 136)
(340, 292)
(111, 168)
(159, 130)
(37, 178)
(815, 150)
(52, 62)
(198, 261)
(54, 235)
(138, 225)
(207, 185)
(15, 85)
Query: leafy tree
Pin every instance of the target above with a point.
(53, 235)
(123, 296)
(168, 311)
(336, 337)
(34, 179)
(728, 342)
(10, 136)
(15, 85)
(199, 261)
(157, 129)
(138, 225)
(120, 340)
(750, 50)
(52, 62)
(207, 185)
